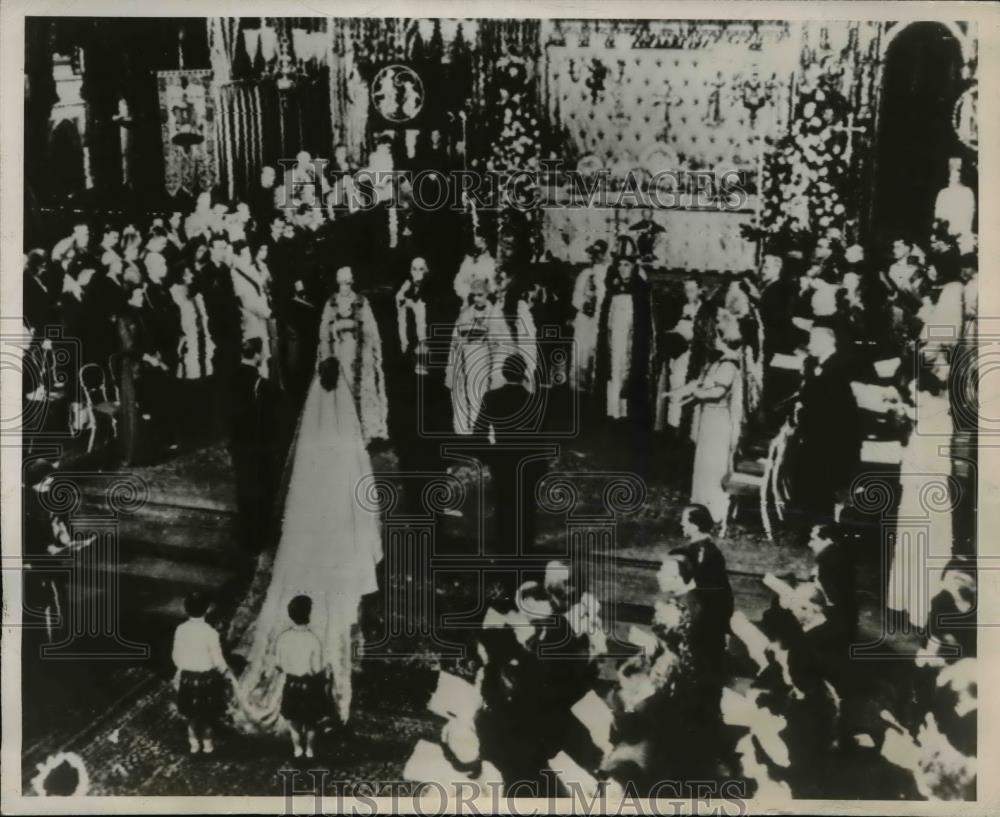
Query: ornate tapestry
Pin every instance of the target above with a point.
(187, 125)
(669, 95)
(369, 51)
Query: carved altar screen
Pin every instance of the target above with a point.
(669, 96)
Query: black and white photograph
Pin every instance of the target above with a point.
(461, 411)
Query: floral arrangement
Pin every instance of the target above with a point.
(517, 145)
(805, 173)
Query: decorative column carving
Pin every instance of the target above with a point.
(409, 533)
(593, 504)
(914, 544)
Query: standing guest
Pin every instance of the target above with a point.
(510, 298)
(215, 280)
(252, 430)
(131, 248)
(625, 343)
(717, 425)
(674, 373)
(706, 559)
(299, 656)
(479, 346)
(905, 278)
(341, 162)
(411, 316)
(201, 670)
(834, 574)
(478, 266)
(262, 266)
(348, 332)
(828, 434)
(282, 267)
(176, 239)
(199, 222)
(108, 296)
(72, 301)
(75, 311)
(302, 182)
(955, 205)
(110, 241)
(250, 288)
(548, 315)
(507, 425)
(163, 316)
(830, 642)
(588, 298)
(40, 302)
(709, 623)
(142, 377)
(781, 336)
(76, 243)
(262, 199)
(195, 351)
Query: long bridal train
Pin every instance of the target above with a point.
(328, 549)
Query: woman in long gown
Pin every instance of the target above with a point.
(328, 550)
(348, 332)
(717, 423)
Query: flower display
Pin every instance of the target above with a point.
(805, 172)
(518, 142)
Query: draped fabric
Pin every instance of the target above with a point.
(248, 134)
(222, 35)
(260, 125)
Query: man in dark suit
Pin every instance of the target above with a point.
(781, 336)
(262, 201)
(216, 284)
(709, 623)
(251, 446)
(165, 325)
(509, 427)
(707, 561)
(828, 432)
(834, 575)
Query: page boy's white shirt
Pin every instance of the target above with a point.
(197, 647)
(298, 652)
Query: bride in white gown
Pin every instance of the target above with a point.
(329, 549)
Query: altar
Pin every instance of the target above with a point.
(772, 101)
(696, 239)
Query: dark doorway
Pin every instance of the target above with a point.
(921, 82)
(66, 166)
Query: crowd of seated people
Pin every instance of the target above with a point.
(554, 705)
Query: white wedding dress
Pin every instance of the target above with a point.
(329, 550)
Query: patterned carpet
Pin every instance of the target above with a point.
(138, 745)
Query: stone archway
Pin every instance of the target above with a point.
(921, 81)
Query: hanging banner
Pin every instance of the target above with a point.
(187, 125)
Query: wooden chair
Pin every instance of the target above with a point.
(759, 477)
(98, 404)
(115, 361)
